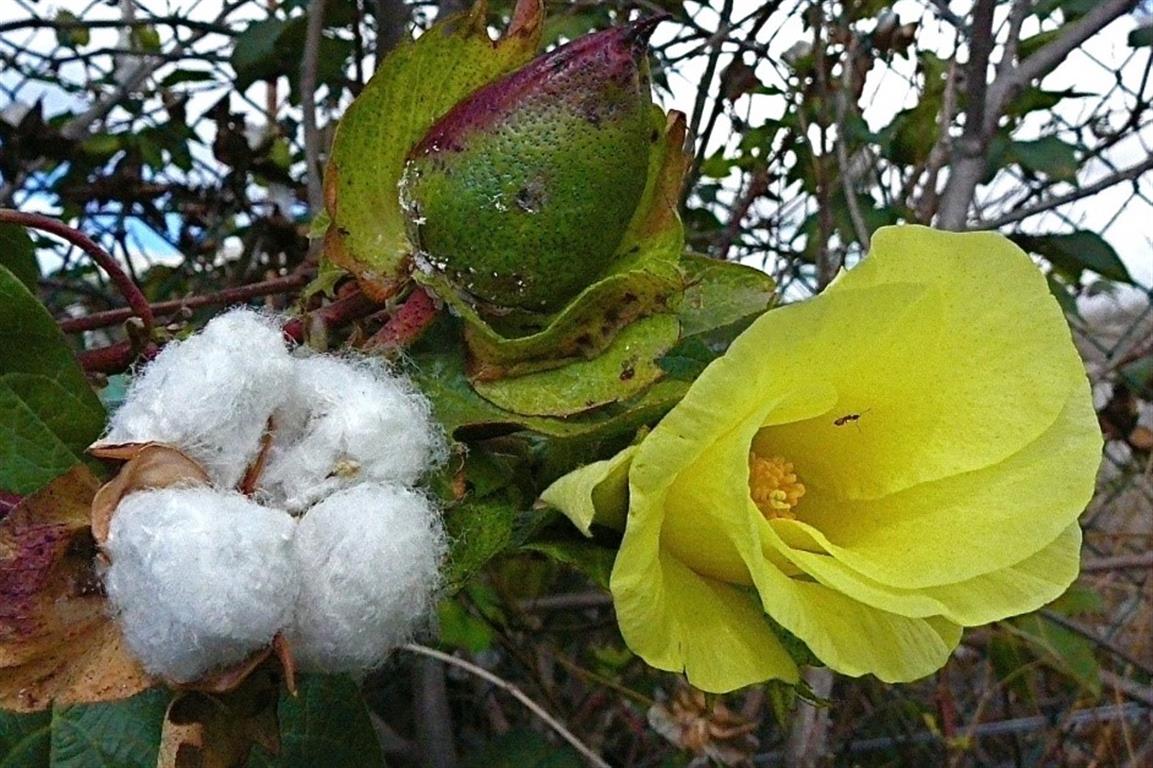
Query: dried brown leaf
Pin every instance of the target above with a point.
(149, 465)
(205, 730)
(57, 641)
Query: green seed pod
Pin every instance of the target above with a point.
(520, 195)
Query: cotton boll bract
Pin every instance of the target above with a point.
(199, 578)
(369, 560)
(210, 395)
(345, 423)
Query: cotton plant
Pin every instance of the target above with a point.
(331, 545)
(850, 480)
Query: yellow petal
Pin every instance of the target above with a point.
(595, 493)
(959, 527)
(677, 620)
(844, 633)
(976, 369)
(1017, 589)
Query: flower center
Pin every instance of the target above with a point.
(774, 486)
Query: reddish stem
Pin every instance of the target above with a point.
(407, 323)
(115, 358)
(340, 312)
(164, 308)
(123, 282)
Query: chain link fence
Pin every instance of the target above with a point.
(172, 132)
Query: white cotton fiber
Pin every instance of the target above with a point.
(199, 578)
(210, 395)
(344, 423)
(369, 561)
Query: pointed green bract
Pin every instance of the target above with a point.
(624, 370)
(416, 84)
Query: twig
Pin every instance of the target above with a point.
(163, 21)
(128, 289)
(716, 42)
(1127, 174)
(235, 295)
(968, 164)
(1119, 563)
(308, 67)
(859, 227)
(808, 737)
(433, 716)
(987, 102)
(592, 757)
(115, 358)
(335, 315)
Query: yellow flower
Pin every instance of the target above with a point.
(901, 456)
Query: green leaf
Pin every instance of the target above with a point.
(123, 734)
(523, 748)
(1030, 45)
(590, 558)
(254, 52)
(1049, 156)
(416, 84)
(25, 740)
(70, 33)
(1074, 252)
(48, 412)
(18, 255)
(1034, 99)
(627, 368)
(479, 531)
(325, 724)
(1065, 651)
(1142, 37)
(460, 629)
(438, 368)
(720, 293)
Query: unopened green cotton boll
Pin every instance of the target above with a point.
(521, 193)
(210, 395)
(369, 560)
(199, 578)
(344, 422)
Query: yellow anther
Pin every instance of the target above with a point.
(774, 486)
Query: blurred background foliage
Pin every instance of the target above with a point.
(179, 134)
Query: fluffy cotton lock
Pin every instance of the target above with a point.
(210, 395)
(368, 560)
(343, 423)
(200, 578)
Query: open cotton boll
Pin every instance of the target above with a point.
(368, 560)
(345, 423)
(210, 395)
(199, 578)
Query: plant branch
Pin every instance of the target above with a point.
(987, 102)
(1119, 563)
(1044, 60)
(592, 757)
(128, 289)
(842, 150)
(968, 164)
(227, 296)
(1126, 174)
(308, 68)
